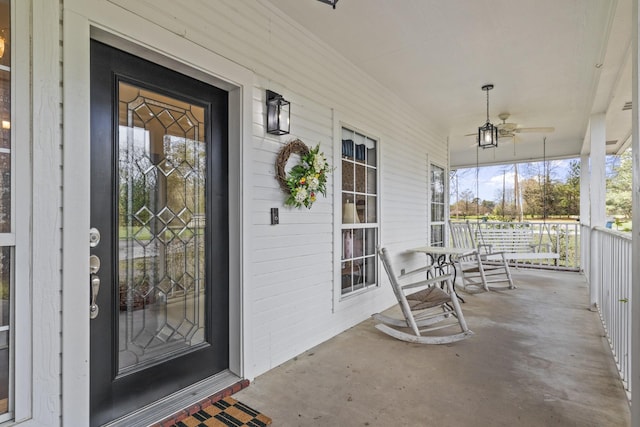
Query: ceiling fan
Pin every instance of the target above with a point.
(509, 130)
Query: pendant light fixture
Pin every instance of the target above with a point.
(487, 134)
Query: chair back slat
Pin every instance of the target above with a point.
(397, 290)
(461, 235)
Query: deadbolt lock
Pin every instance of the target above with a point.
(94, 237)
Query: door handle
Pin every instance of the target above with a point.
(95, 288)
(94, 264)
(94, 267)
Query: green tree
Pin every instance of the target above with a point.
(567, 194)
(619, 187)
(532, 197)
(487, 206)
(466, 198)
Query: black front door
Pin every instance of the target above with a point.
(159, 200)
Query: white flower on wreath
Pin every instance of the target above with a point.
(301, 194)
(313, 183)
(319, 162)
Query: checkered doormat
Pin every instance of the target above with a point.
(224, 413)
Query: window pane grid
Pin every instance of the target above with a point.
(7, 239)
(359, 212)
(437, 216)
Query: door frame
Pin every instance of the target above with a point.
(117, 391)
(175, 52)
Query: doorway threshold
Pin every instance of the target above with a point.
(180, 403)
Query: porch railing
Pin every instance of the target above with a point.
(563, 238)
(612, 276)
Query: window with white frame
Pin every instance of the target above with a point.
(7, 220)
(360, 226)
(438, 200)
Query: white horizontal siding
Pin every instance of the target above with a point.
(292, 265)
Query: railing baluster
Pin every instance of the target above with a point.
(613, 249)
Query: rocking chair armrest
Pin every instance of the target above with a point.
(424, 269)
(427, 282)
(470, 253)
(495, 253)
(475, 251)
(483, 256)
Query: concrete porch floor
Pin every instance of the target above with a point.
(538, 358)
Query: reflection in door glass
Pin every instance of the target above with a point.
(6, 209)
(161, 227)
(5, 285)
(5, 117)
(5, 151)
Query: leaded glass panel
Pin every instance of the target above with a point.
(162, 162)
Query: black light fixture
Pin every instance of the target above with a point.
(278, 113)
(330, 2)
(487, 134)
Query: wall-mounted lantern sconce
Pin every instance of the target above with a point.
(278, 113)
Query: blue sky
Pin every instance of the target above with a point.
(490, 178)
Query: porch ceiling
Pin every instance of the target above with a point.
(553, 64)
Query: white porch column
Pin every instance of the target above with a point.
(635, 272)
(597, 197)
(597, 170)
(585, 196)
(585, 212)
(585, 217)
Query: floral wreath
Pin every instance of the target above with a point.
(306, 179)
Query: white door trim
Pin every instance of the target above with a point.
(121, 29)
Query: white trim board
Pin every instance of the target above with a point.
(108, 24)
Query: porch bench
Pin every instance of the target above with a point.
(516, 244)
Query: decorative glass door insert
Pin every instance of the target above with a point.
(161, 222)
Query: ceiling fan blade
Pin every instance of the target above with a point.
(539, 130)
(507, 127)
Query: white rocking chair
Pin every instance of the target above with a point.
(427, 305)
(484, 269)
